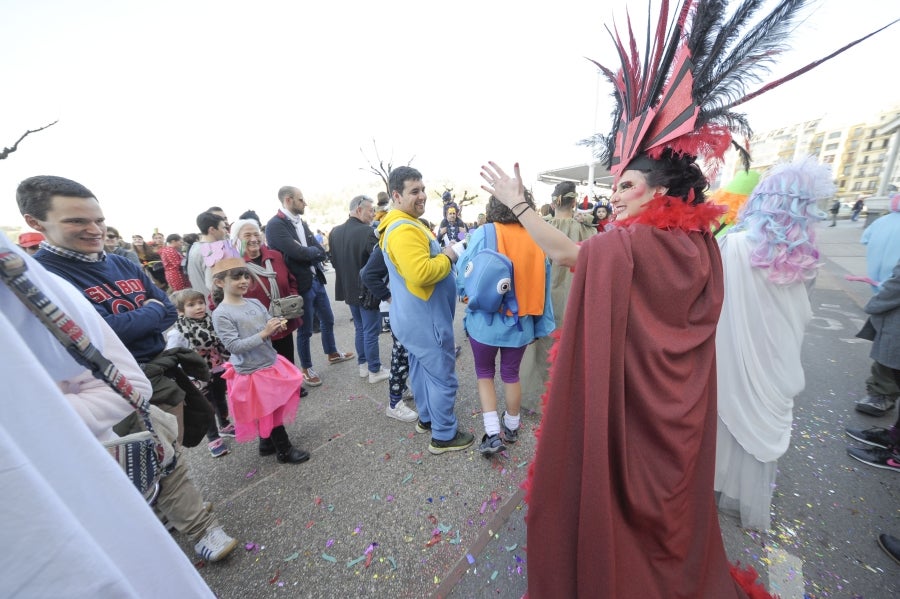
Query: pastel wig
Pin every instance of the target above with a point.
(779, 216)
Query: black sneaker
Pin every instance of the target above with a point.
(491, 445)
(458, 443)
(875, 436)
(509, 435)
(423, 427)
(877, 457)
(876, 405)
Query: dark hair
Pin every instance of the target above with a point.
(205, 220)
(35, 194)
(173, 237)
(401, 175)
(565, 194)
(680, 174)
(214, 209)
(250, 215)
(496, 212)
(182, 297)
(112, 231)
(190, 239)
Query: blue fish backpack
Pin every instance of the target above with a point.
(488, 281)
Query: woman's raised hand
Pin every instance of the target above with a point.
(509, 190)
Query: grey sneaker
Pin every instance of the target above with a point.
(381, 375)
(875, 436)
(458, 443)
(423, 427)
(876, 405)
(491, 445)
(215, 545)
(509, 435)
(400, 412)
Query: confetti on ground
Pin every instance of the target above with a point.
(457, 540)
(521, 464)
(329, 558)
(511, 547)
(368, 560)
(250, 474)
(251, 547)
(444, 528)
(292, 556)
(407, 479)
(470, 558)
(329, 542)
(435, 539)
(274, 579)
(353, 562)
(494, 575)
(393, 563)
(310, 524)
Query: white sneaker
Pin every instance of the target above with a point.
(381, 375)
(363, 371)
(401, 413)
(215, 544)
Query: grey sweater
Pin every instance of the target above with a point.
(239, 329)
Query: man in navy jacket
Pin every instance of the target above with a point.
(290, 235)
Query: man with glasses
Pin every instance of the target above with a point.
(288, 233)
(113, 245)
(213, 227)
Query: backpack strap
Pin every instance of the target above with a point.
(509, 299)
(490, 236)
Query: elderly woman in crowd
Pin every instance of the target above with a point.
(270, 272)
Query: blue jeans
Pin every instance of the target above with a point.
(368, 329)
(315, 305)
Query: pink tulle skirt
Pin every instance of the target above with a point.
(262, 400)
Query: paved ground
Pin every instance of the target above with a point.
(373, 513)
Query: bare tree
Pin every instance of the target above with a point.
(7, 151)
(382, 169)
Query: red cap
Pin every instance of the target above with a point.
(29, 240)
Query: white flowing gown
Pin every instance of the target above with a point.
(758, 345)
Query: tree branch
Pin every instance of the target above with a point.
(7, 151)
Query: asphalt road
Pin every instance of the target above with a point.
(453, 525)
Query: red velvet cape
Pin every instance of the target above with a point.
(621, 489)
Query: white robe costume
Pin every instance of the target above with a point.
(758, 343)
(72, 523)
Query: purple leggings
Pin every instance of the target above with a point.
(485, 356)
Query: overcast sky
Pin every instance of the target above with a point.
(168, 107)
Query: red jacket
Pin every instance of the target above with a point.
(287, 285)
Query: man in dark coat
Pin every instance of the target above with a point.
(290, 235)
(351, 244)
(883, 329)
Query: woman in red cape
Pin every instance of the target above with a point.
(621, 502)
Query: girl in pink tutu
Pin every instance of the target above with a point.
(263, 387)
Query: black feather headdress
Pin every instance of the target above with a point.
(697, 67)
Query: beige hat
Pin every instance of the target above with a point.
(227, 264)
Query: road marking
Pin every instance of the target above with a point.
(785, 574)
